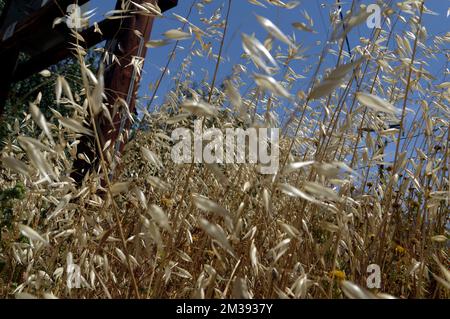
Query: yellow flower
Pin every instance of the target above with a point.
(399, 249)
(167, 202)
(338, 274)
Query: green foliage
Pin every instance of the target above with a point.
(7, 198)
(26, 91)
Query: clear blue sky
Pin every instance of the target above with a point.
(243, 20)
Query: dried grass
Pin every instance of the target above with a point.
(338, 204)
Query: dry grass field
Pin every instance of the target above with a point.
(144, 227)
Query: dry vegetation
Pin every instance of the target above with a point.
(337, 204)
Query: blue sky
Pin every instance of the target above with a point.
(243, 20)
